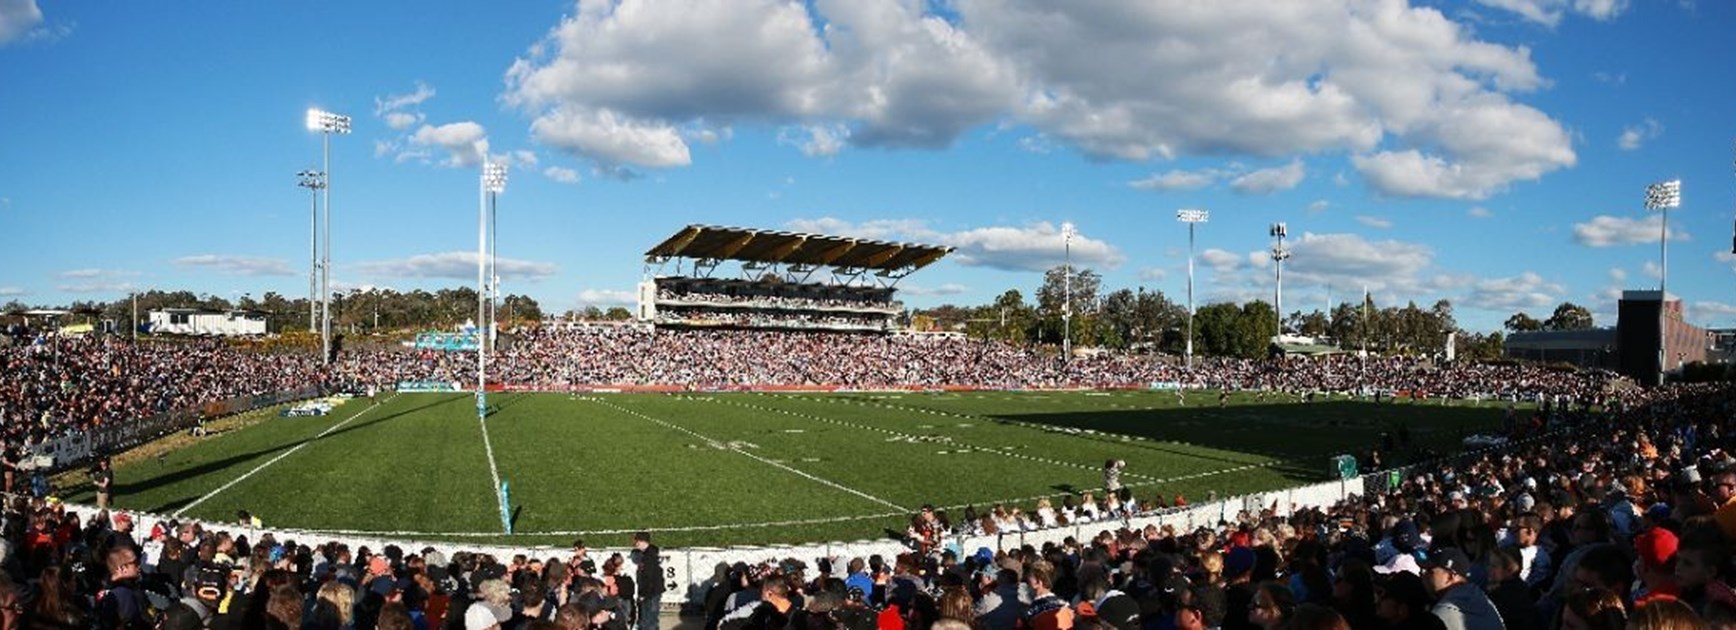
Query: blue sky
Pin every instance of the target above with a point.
(1493, 153)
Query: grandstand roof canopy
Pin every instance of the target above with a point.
(793, 248)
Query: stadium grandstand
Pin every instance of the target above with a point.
(775, 287)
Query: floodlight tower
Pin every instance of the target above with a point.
(1661, 197)
(493, 181)
(1279, 255)
(1192, 218)
(327, 123)
(1067, 305)
(313, 181)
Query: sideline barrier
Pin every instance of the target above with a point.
(688, 572)
(69, 451)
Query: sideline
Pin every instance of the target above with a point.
(493, 471)
(724, 446)
(280, 456)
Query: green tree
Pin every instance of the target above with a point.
(1520, 322)
(1569, 316)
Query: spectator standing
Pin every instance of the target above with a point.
(104, 478)
(649, 579)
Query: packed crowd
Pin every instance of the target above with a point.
(57, 385)
(876, 302)
(593, 355)
(863, 322)
(60, 385)
(1625, 518)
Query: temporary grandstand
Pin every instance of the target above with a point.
(776, 285)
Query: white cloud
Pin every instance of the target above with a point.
(238, 265)
(97, 287)
(1652, 269)
(12, 292)
(561, 174)
(612, 139)
(1270, 180)
(1479, 212)
(1608, 231)
(875, 229)
(1612, 79)
(1034, 247)
(395, 102)
(98, 273)
(402, 120)
(1550, 12)
(1723, 256)
(465, 142)
(1708, 310)
(945, 289)
(1220, 261)
(399, 110)
(1318, 206)
(1516, 293)
(1149, 274)
(619, 80)
(1349, 260)
(607, 297)
(816, 140)
(461, 265)
(1177, 180)
(1632, 137)
(1374, 222)
(17, 18)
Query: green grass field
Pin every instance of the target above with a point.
(722, 469)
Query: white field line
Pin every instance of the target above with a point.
(764, 524)
(944, 439)
(722, 445)
(1021, 423)
(493, 471)
(280, 456)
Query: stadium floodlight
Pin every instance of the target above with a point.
(1067, 305)
(1663, 196)
(1191, 217)
(326, 123)
(313, 181)
(494, 181)
(1279, 255)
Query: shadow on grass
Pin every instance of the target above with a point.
(1302, 436)
(172, 477)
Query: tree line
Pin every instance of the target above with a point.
(1137, 319)
(356, 310)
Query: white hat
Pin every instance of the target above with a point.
(1402, 562)
(479, 617)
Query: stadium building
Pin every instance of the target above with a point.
(776, 286)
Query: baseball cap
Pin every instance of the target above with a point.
(1449, 558)
(1119, 611)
